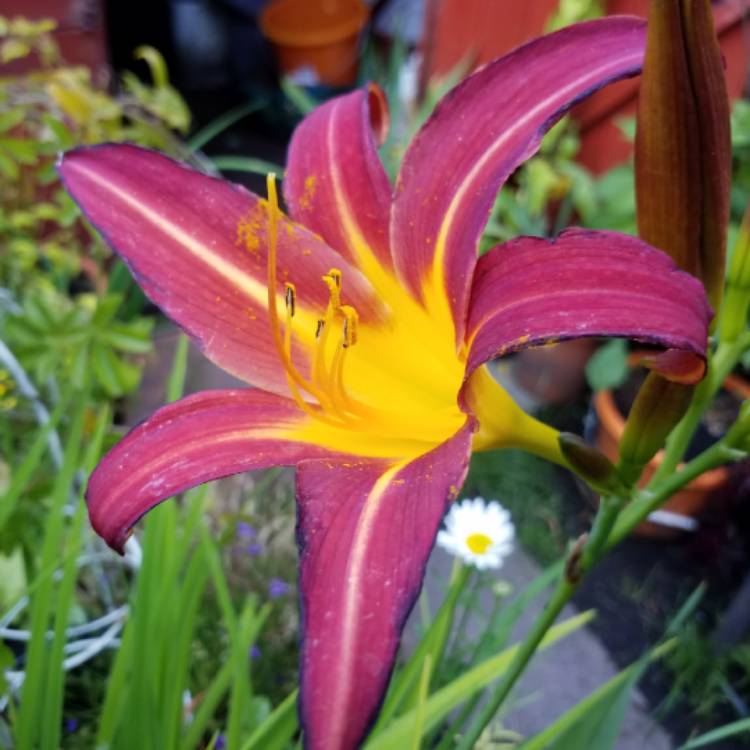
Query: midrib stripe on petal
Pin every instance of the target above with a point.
(353, 597)
(233, 274)
(460, 194)
(261, 434)
(365, 258)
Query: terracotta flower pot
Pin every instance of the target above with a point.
(553, 374)
(691, 500)
(322, 36)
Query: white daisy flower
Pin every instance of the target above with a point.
(480, 534)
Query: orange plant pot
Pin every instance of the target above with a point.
(692, 498)
(319, 34)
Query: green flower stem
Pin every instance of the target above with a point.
(720, 365)
(648, 500)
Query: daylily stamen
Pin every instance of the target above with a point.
(290, 298)
(293, 376)
(336, 375)
(351, 321)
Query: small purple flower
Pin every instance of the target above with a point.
(221, 742)
(245, 530)
(255, 652)
(71, 725)
(254, 549)
(277, 588)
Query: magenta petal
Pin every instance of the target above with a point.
(197, 247)
(532, 291)
(335, 183)
(202, 437)
(482, 131)
(365, 533)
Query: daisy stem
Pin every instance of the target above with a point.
(579, 561)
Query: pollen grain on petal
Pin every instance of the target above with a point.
(308, 193)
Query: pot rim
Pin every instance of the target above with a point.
(288, 23)
(614, 421)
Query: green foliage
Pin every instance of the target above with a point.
(708, 680)
(399, 733)
(573, 11)
(49, 110)
(608, 367)
(63, 338)
(549, 190)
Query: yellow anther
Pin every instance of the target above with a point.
(333, 281)
(351, 321)
(290, 298)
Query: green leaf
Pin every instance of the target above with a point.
(13, 49)
(32, 461)
(33, 721)
(7, 660)
(113, 373)
(106, 309)
(222, 122)
(278, 729)
(715, 735)
(11, 118)
(176, 381)
(608, 367)
(441, 703)
(131, 338)
(23, 151)
(595, 721)
(298, 96)
(63, 137)
(8, 168)
(246, 164)
(405, 684)
(423, 689)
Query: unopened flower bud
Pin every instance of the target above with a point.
(589, 463)
(658, 407)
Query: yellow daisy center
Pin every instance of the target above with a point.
(478, 543)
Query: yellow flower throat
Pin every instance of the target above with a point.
(323, 394)
(388, 389)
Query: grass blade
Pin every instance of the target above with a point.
(246, 164)
(728, 730)
(278, 729)
(442, 702)
(30, 464)
(33, 693)
(222, 122)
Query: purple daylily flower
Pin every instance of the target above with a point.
(371, 381)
